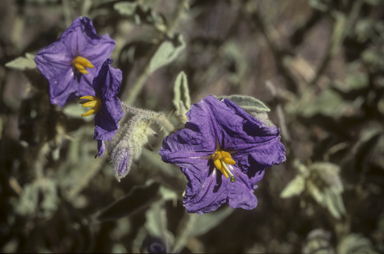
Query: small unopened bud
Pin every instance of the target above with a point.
(128, 143)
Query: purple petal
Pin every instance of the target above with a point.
(55, 61)
(108, 81)
(81, 40)
(58, 71)
(107, 85)
(214, 120)
(85, 83)
(107, 121)
(214, 189)
(256, 140)
(100, 148)
(223, 125)
(185, 145)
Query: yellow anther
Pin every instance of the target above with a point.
(225, 154)
(229, 161)
(217, 164)
(89, 97)
(90, 104)
(225, 173)
(92, 101)
(83, 61)
(89, 113)
(81, 68)
(221, 159)
(80, 63)
(217, 156)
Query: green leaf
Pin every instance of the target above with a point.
(199, 224)
(334, 203)
(315, 192)
(328, 103)
(319, 5)
(354, 244)
(181, 82)
(156, 223)
(248, 103)
(294, 187)
(22, 63)
(29, 202)
(166, 53)
(325, 186)
(142, 13)
(329, 173)
(125, 8)
(167, 194)
(318, 242)
(203, 223)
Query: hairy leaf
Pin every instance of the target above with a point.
(203, 223)
(166, 53)
(22, 63)
(156, 223)
(354, 244)
(248, 103)
(294, 187)
(182, 106)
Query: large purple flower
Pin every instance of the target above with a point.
(69, 62)
(223, 152)
(105, 104)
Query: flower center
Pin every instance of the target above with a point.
(91, 101)
(80, 63)
(223, 162)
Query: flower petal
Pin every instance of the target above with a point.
(108, 81)
(100, 148)
(256, 140)
(107, 119)
(107, 85)
(55, 61)
(214, 189)
(222, 125)
(81, 39)
(85, 84)
(185, 146)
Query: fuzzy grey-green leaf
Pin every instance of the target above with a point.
(248, 103)
(166, 53)
(181, 83)
(294, 187)
(125, 8)
(354, 244)
(22, 63)
(156, 223)
(206, 222)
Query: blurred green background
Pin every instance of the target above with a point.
(317, 64)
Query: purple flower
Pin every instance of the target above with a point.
(69, 62)
(223, 152)
(105, 104)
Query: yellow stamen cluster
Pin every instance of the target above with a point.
(91, 101)
(80, 63)
(222, 161)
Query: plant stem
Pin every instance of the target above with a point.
(93, 169)
(140, 81)
(342, 26)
